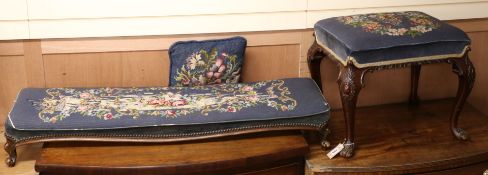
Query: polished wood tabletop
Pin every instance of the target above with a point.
(265, 153)
(402, 139)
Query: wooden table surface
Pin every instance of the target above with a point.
(217, 156)
(401, 139)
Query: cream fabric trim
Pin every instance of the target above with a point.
(383, 63)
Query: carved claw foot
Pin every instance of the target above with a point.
(348, 150)
(460, 134)
(324, 143)
(11, 151)
(10, 161)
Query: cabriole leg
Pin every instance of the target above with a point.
(11, 151)
(415, 71)
(324, 133)
(350, 84)
(466, 75)
(315, 56)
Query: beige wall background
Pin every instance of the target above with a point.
(143, 61)
(41, 19)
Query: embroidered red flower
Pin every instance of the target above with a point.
(170, 112)
(53, 120)
(108, 116)
(179, 103)
(231, 109)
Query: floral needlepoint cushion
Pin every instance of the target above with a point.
(111, 108)
(195, 63)
(389, 38)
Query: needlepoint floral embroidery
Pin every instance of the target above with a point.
(169, 102)
(204, 68)
(393, 24)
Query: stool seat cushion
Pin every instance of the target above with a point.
(378, 39)
(115, 108)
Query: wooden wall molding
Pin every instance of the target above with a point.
(56, 46)
(11, 48)
(471, 25)
(34, 66)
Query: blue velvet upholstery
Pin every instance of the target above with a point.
(115, 108)
(196, 63)
(389, 38)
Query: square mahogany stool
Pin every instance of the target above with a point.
(370, 42)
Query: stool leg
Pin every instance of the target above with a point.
(414, 98)
(466, 74)
(350, 83)
(11, 151)
(324, 133)
(314, 58)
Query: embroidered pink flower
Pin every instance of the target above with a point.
(185, 81)
(170, 112)
(284, 108)
(85, 95)
(108, 116)
(179, 103)
(247, 88)
(213, 67)
(231, 109)
(160, 102)
(153, 102)
(53, 120)
(217, 69)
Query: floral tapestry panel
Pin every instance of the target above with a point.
(130, 107)
(197, 63)
(394, 24)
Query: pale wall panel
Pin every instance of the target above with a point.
(13, 10)
(355, 4)
(441, 11)
(166, 25)
(10, 30)
(12, 73)
(68, 9)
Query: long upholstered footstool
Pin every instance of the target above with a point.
(369, 42)
(164, 114)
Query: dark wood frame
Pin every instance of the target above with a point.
(351, 80)
(11, 144)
